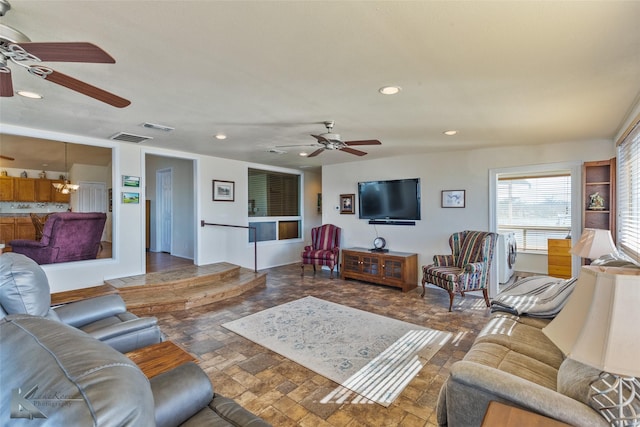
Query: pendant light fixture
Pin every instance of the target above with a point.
(65, 187)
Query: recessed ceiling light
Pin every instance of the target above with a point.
(303, 154)
(389, 90)
(450, 132)
(221, 136)
(28, 94)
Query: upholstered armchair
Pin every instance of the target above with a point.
(66, 236)
(466, 269)
(324, 248)
(24, 289)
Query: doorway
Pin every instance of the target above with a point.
(164, 209)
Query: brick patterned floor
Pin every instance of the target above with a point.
(287, 394)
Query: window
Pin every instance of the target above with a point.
(274, 205)
(535, 208)
(628, 193)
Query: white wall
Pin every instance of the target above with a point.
(212, 244)
(455, 170)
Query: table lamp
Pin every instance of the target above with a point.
(594, 243)
(599, 327)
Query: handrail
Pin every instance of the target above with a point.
(255, 239)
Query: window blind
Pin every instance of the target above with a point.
(535, 208)
(628, 194)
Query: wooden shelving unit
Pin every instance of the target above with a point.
(599, 177)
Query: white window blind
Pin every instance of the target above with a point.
(628, 194)
(535, 208)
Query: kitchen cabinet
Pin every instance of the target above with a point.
(24, 189)
(6, 189)
(57, 197)
(7, 230)
(24, 228)
(44, 190)
(397, 269)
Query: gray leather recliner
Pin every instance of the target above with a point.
(24, 289)
(62, 376)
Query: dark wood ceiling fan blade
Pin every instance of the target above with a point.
(68, 52)
(353, 151)
(6, 157)
(315, 153)
(320, 138)
(87, 89)
(364, 142)
(6, 85)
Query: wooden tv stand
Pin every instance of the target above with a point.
(397, 269)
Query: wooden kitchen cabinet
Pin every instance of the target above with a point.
(397, 269)
(44, 190)
(7, 229)
(24, 228)
(59, 197)
(24, 190)
(6, 189)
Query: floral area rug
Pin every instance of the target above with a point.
(372, 355)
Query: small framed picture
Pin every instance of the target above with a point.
(130, 181)
(453, 198)
(223, 191)
(130, 198)
(347, 202)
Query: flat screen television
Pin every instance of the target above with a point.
(397, 199)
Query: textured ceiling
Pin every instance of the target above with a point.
(268, 73)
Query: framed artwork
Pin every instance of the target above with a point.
(111, 200)
(130, 198)
(130, 181)
(347, 202)
(319, 203)
(453, 198)
(223, 191)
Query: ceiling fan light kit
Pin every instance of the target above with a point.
(16, 49)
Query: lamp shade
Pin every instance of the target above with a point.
(594, 243)
(599, 324)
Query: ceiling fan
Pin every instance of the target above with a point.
(16, 48)
(332, 141)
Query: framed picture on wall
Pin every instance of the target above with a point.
(453, 198)
(130, 181)
(347, 203)
(223, 191)
(130, 198)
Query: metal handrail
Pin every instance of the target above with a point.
(255, 239)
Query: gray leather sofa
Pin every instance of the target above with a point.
(24, 289)
(61, 376)
(513, 362)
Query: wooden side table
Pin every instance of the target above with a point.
(159, 358)
(501, 415)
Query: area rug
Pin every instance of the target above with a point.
(372, 355)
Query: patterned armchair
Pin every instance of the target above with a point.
(467, 269)
(324, 248)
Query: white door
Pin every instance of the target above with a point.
(164, 182)
(92, 197)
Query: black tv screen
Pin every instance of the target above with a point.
(397, 199)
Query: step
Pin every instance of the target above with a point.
(181, 277)
(184, 294)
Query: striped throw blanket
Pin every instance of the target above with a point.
(535, 296)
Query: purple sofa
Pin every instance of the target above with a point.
(67, 236)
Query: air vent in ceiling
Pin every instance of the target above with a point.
(130, 137)
(157, 127)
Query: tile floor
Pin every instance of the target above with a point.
(286, 394)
